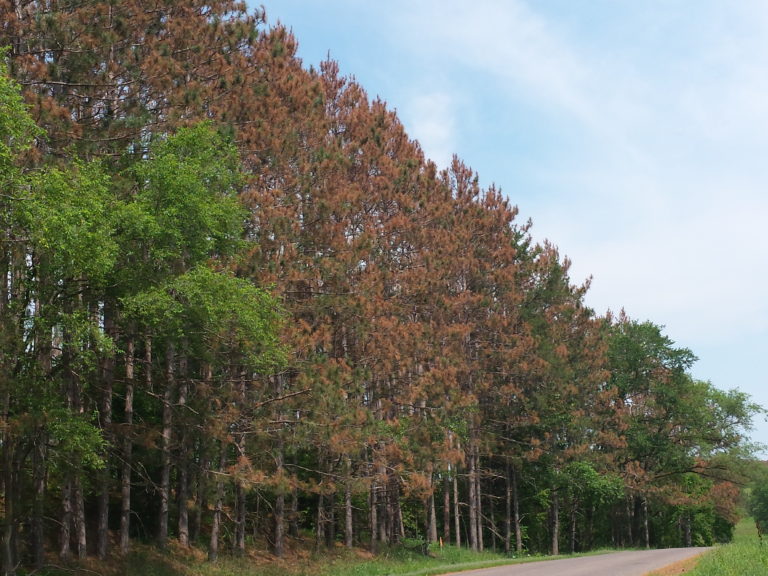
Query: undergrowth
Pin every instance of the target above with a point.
(300, 561)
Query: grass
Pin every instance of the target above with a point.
(299, 561)
(745, 556)
(340, 562)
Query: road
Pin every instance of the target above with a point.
(627, 563)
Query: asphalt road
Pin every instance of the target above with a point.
(627, 563)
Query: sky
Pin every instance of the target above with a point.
(633, 134)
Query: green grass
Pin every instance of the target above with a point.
(349, 563)
(400, 562)
(149, 561)
(745, 556)
(301, 561)
(340, 562)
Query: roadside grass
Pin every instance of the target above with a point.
(745, 556)
(300, 560)
(398, 561)
(342, 562)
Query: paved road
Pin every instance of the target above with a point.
(628, 563)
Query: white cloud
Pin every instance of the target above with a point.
(431, 119)
(504, 38)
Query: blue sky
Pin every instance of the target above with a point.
(633, 134)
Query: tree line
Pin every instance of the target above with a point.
(240, 307)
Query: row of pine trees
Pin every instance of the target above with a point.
(240, 309)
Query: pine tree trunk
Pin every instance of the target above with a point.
(508, 509)
(384, 513)
(80, 528)
(7, 548)
(240, 510)
(279, 511)
(240, 496)
(125, 480)
(206, 448)
(293, 525)
(107, 377)
(555, 523)
(473, 505)
(183, 498)
(43, 346)
(320, 522)
(213, 548)
(330, 521)
(479, 501)
(165, 473)
(574, 525)
(516, 514)
(69, 500)
(348, 512)
(78, 499)
(38, 533)
(646, 531)
(447, 509)
(7, 483)
(65, 550)
(201, 495)
(394, 512)
(183, 466)
(687, 533)
(432, 522)
(492, 519)
(385, 509)
(280, 525)
(348, 517)
(7, 545)
(456, 510)
(374, 520)
(102, 532)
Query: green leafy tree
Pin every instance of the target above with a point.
(674, 425)
(16, 133)
(57, 252)
(183, 217)
(758, 500)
